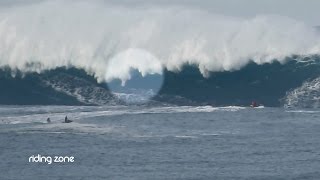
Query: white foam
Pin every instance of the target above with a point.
(89, 34)
(305, 96)
(303, 111)
(36, 115)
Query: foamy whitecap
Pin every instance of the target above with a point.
(88, 35)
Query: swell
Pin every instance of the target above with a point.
(55, 87)
(268, 84)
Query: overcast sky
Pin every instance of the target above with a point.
(303, 10)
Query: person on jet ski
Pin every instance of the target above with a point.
(254, 104)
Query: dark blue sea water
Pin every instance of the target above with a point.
(292, 84)
(119, 142)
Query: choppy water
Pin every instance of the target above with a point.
(160, 143)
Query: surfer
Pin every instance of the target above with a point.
(48, 120)
(66, 120)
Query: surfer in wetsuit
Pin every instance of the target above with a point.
(48, 120)
(66, 120)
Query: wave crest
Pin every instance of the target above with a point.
(87, 35)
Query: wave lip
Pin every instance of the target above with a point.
(49, 35)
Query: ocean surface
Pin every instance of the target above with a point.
(156, 91)
(160, 142)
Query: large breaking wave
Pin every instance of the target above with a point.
(205, 58)
(293, 84)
